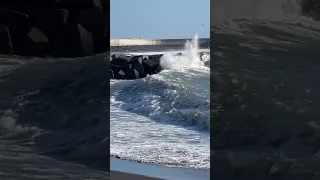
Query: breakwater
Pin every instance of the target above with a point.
(134, 67)
(126, 66)
(57, 28)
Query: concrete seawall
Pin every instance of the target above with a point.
(57, 28)
(118, 45)
(159, 42)
(133, 42)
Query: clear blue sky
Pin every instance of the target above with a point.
(157, 19)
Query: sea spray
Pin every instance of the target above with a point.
(189, 58)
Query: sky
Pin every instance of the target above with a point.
(159, 19)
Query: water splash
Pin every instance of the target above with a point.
(189, 58)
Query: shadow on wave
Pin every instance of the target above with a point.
(266, 124)
(57, 107)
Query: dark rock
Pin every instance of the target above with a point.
(71, 28)
(5, 43)
(128, 67)
(121, 67)
(28, 46)
(17, 24)
(120, 60)
(156, 58)
(37, 35)
(137, 66)
(64, 40)
(152, 65)
(129, 72)
(40, 42)
(115, 71)
(92, 20)
(86, 41)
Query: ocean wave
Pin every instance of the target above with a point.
(264, 94)
(162, 116)
(57, 107)
(164, 98)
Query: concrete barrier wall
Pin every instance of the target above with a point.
(137, 42)
(133, 42)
